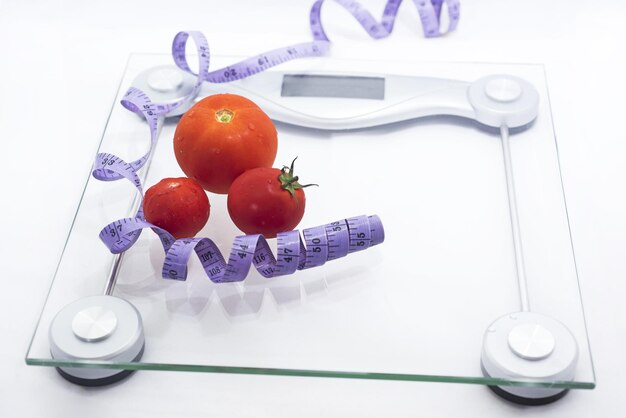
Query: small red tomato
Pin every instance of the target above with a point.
(266, 201)
(178, 205)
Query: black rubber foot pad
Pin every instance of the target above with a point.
(520, 399)
(527, 401)
(103, 381)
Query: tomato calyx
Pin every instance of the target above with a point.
(289, 182)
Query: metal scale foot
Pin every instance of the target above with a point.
(98, 328)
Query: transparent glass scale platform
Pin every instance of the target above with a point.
(414, 308)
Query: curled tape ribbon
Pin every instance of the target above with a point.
(320, 244)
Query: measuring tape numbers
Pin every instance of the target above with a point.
(293, 253)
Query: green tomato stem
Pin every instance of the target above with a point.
(289, 182)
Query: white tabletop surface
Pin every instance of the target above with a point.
(60, 64)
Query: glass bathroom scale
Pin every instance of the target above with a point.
(417, 307)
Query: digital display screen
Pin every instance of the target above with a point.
(350, 87)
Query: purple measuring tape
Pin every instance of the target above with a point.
(321, 243)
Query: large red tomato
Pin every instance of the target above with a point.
(178, 205)
(222, 136)
(266, 201)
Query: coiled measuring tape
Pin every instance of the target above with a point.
(320, 243)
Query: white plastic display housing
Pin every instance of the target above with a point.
(494, 100)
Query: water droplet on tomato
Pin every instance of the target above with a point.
(251, 126)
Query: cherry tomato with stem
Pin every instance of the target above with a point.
(267, 201)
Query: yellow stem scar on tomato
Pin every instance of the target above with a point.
(224, 115)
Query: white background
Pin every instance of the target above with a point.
(60, 64)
